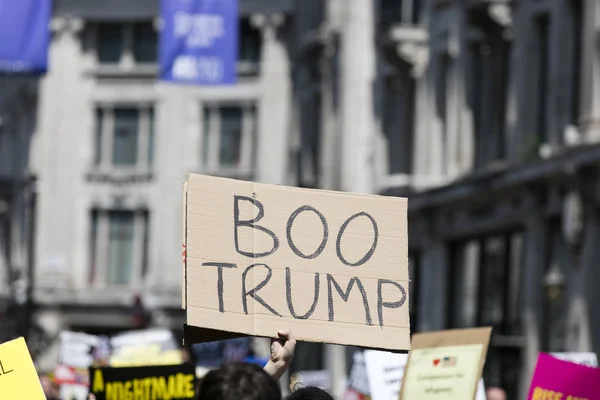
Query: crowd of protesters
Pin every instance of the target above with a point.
(247, 381)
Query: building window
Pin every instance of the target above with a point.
(442, 70)
(134, 43)
(486, 273)
(489, 53)
(309, 15)
(119, 241)
(309, 161)
(249, 48)
(110, 42)
(120, 247)
(145, 43)
(399, 11)
(398, 122)
(250, 42)
(229, 136)
(124, 137)
(542, 27)
(575, 56)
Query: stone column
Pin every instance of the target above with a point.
(275, 101)
(590, 78)
(357, 81)
(329, 159)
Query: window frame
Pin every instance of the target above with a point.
(407, 123)
(210, 142)
(99, 243)
(127, 64)
(488, 103)
(104, 134)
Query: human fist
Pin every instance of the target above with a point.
(282, 354)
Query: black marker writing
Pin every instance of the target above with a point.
(252, 293)
(220, 267)
(391, 304)
(290, 223)
(371, 250)
(3, 371)
(346, 294)
(288, 295)
(251, 223)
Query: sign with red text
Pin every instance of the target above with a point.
(260, 257)
(558, 379)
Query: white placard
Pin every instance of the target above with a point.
(385, 372)
(359, 382)
(583, 358)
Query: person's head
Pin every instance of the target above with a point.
(239, 381)
(309, 393)
(495, 393)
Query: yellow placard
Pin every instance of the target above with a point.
(18, 377)
(449, 372)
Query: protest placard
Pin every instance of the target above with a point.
(558, 379)
(261, 257)
(385, 371)
(445, 363)
(165, 382)
(145, 348)
(358, 382)
(582, 358)
(18, 377)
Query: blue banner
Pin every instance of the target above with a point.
(24, 35)
(199, 41)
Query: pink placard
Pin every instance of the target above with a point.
(556, 379)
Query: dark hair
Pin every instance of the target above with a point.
(239, 381)
(309, 393)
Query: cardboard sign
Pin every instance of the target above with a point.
(173, 382)
(18, 377)
(558, 379)
(259, 258)
(582, 358)
(445, 363)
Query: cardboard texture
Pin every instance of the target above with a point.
(329, 266)
(183, 250)
(18, 377)
(445, 363)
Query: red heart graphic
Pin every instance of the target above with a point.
(436, 361)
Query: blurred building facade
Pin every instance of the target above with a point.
(486, 113)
